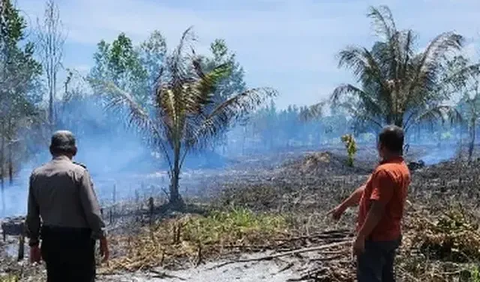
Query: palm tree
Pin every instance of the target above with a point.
(185, 113)
(466, 81)
(397, 84)
(470, 107)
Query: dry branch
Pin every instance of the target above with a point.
(294, 252)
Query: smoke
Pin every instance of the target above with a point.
(438, 155)
(113, 153)
(123, 167)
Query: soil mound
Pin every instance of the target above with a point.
(326, 163)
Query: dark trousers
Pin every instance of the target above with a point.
(69, 254)
(376, 263)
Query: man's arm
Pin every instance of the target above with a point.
(354, 198)
(382, 193)
(351, 201)
(32, 221)
(91, 207)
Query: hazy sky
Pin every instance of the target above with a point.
(286, 44)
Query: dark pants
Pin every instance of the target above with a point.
(376, 263)
(69, 254)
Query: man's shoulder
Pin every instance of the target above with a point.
(394, 169)
(40, 169)
(80, 164)
(63, 166)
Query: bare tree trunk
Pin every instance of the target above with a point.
(2, 157)
(10, 164)
(10, 152)
(244, 140)
(2, 165)
(472, 139)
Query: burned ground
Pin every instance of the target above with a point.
(279, 205)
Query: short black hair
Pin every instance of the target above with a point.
(63, 142)
(392, 138)
(61, 151)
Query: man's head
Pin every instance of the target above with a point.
(390, 141)
(63, 143)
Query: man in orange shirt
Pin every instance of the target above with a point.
(382, 200)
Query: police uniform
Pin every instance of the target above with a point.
(63, 211)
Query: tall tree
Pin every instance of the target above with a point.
(18, 73)
(51, 40)
(183, 116)
(119, 63)
(231, 84)
(152, 53)
(397, 83)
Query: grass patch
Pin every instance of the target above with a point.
(9, 278)
(195, 238)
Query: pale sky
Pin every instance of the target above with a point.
(286, 44)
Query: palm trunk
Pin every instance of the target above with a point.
(176, 200)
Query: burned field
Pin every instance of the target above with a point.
(279, 213)
(274, 211)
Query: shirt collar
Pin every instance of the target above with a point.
(61, 158)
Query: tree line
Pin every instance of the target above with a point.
(181, 102)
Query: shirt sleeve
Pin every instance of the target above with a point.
(383, 187)
(91, 207)
(32, 222)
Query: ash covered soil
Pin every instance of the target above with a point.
(442, 241)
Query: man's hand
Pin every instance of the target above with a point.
(337, 212)
(358, 246)
(104, 252)
(35, 254)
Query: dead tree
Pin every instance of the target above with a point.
(51, 38)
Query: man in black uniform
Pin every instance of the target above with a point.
(64, 212)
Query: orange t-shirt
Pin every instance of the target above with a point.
(388, 184)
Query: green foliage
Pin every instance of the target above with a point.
(232, 226)
(351, 147)
(152, 54)
(119, 63)
(474, 274)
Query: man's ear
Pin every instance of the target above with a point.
(74, 151)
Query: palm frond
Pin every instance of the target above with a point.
(119, 100)
(359, 114)
(235, 107)
(369, 102)
(383, 21)
(426, 70)
(203, 89)
(313, 112)
(442, 112)
(175, 62)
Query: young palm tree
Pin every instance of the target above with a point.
(184, 114)
(397, 84)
